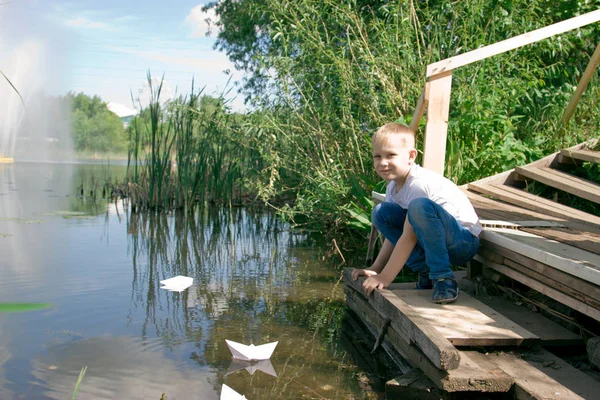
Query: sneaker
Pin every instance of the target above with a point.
(424, 281)
(445, 291)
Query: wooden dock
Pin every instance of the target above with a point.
(551, 248)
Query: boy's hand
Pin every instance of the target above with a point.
(375, 282)
(360, 272)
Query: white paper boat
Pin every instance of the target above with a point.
(262, 365)
(228, 393)
(177, 284)
(252, 352)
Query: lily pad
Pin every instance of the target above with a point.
(79, 217)
(22, 221)
(60, 213)
(22, 307)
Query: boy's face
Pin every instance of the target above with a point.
(393, 158)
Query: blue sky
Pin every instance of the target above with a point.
(106, 47)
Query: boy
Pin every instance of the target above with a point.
(427, 221)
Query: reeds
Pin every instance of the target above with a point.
(181, 153)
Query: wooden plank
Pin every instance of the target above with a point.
(467, 322)
(532, 380)
(513, 43)
(583, 155)
(551, 160)
(434, 143)
(542, 278)
(582, 85)
(535, 203)
(562, 181)
(475, 372)
(549, 332)
(410, 325)
(411, 386)
(582, 286)
(540, 287)
(378, 197)
(569, 259)
(487, 223)
(420, 108)
(584, 240)
(375, 324)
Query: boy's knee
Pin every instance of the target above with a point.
(385, 212)
(419, 209)
(377, 215)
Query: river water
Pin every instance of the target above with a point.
(255, 281)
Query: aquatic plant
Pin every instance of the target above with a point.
(184, 152)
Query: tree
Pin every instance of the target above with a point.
(95, 128)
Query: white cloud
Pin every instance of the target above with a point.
(215, 62)
(202, 21)
(82, 22)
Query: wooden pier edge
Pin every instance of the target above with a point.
(431, 342)
(474, 374)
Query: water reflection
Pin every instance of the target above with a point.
(254, 282)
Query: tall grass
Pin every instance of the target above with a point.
(184, 152)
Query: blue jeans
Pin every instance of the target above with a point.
(441, 240)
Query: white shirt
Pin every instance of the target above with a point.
(422, 182)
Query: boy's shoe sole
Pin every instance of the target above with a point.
(445, 301)
(445, 291)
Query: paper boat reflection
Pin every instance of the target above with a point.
(251, 352)
(228, 393)
(177, 284)
(251, 366)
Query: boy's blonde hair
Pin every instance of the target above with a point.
(394, 128)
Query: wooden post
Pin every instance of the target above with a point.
(434, 144)
(420, 108)
(583, 82)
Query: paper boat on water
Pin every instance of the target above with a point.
(228, 393)
(262, 365)
(251, 352)
(177, 284)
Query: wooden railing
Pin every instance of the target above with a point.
(435, 97)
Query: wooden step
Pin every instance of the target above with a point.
(571, 184)
(549, 332)
(479, 324)
(532, 202)
(569, 259)
(539, 374)
(414, 330)
(581, 155)
(474, 373)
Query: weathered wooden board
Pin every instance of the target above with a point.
(475, 372)
(541, 277)
(583, 240)
(467, 322)
(583, 155)
(413, 329)
(585, 287)
(549, 332)
(373, 322)
(540, 287)
(562, 181)
(532, 202)
(541, 375)
(569, 259)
